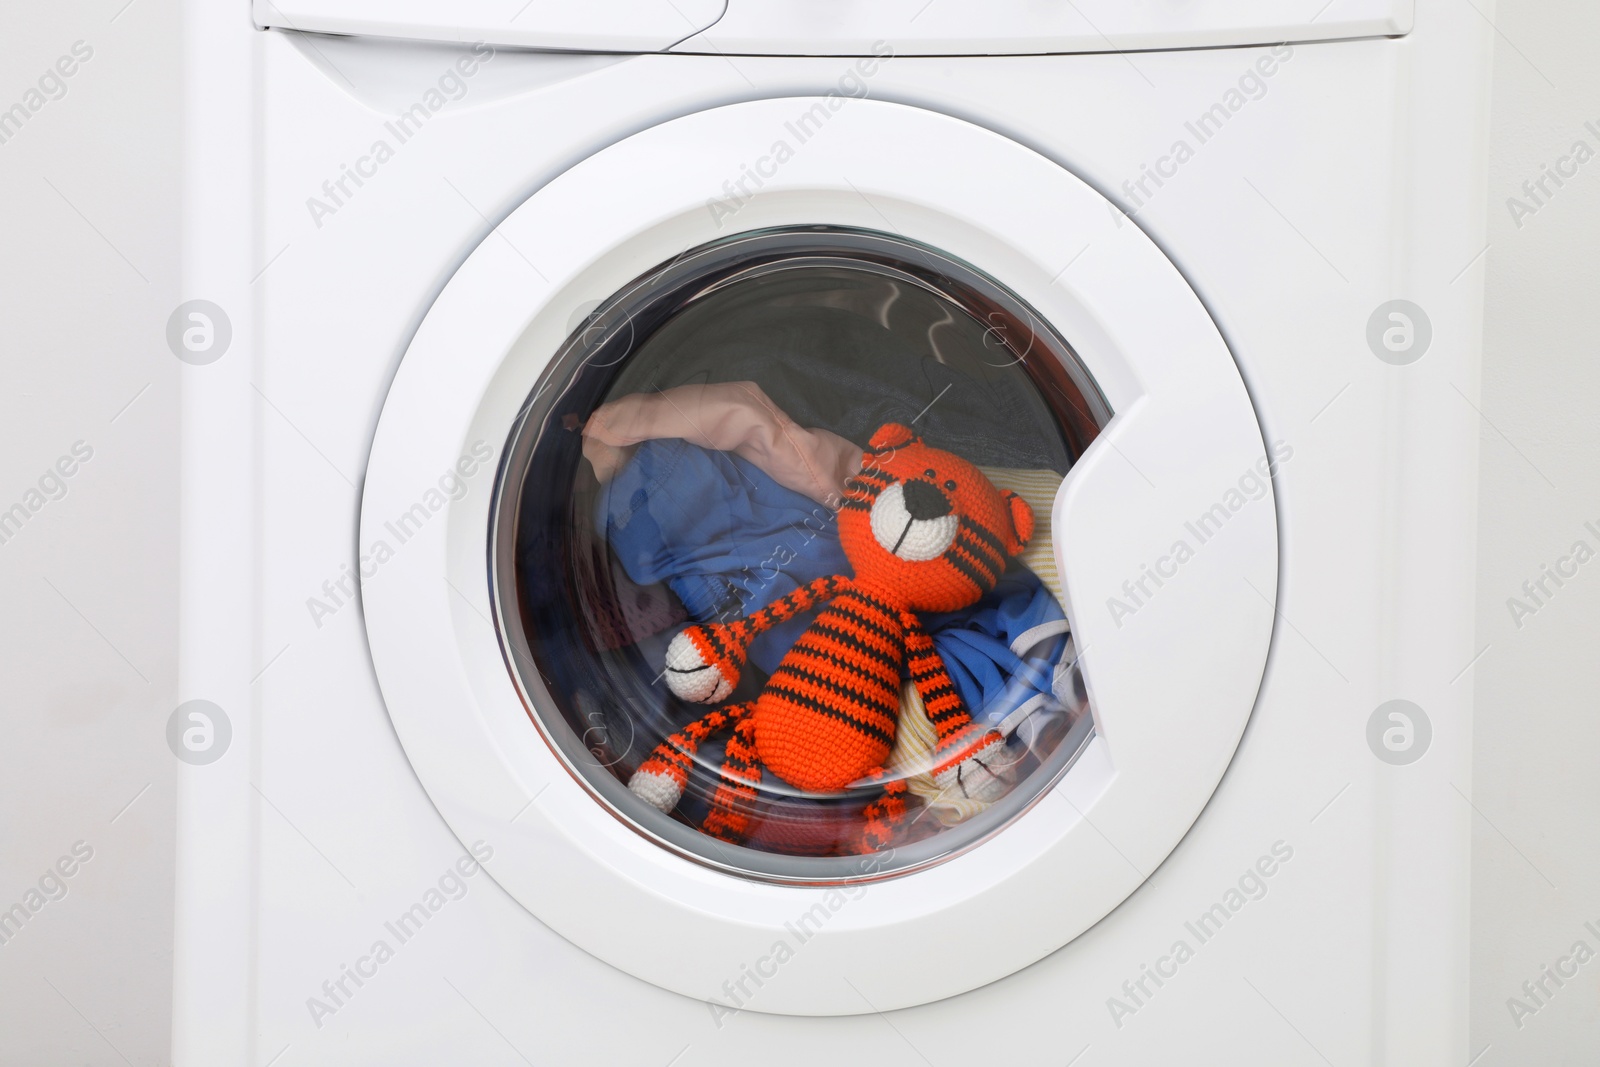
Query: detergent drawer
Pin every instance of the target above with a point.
(562, 25)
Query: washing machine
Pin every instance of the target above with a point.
(526, 342)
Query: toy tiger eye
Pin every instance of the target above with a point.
(924, 531)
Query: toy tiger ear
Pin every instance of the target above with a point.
(1021, 521)
(891, 436)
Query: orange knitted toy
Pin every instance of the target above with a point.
(925, 531)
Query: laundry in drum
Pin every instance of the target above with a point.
(714, 498)
(922, 531)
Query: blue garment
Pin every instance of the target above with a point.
(1001, 652)
(725, 537)
(728, 540)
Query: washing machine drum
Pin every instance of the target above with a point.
(868, 569)
(692, 456)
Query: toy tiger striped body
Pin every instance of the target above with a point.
(925, 532)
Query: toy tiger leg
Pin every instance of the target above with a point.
(733, 803)
(660, 779)
(882, 817)
(968, 760)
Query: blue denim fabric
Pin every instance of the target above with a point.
(994, 673)
(723, 536)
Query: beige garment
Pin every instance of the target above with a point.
(1039, 489)
(733, 417)
(912, 759)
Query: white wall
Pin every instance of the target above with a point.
(88, 262)
(1536, 844)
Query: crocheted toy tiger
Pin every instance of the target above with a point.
(924, 531)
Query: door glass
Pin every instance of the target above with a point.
(772, 555)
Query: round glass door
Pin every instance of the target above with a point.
(723, 445)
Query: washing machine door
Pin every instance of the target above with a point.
(1162, 532)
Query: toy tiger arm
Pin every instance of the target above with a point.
(968, 759)
(703, 662)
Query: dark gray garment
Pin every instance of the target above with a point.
(849, 351)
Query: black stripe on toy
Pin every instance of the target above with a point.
(810, 704)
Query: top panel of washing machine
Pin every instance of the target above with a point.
(847, 27)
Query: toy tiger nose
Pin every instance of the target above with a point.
(924, 501)
(924, 531)
(914, 520)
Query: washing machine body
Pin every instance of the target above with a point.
(1235, 234)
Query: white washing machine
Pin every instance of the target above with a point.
(531, 335)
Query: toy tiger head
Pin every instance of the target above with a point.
(926, 525)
